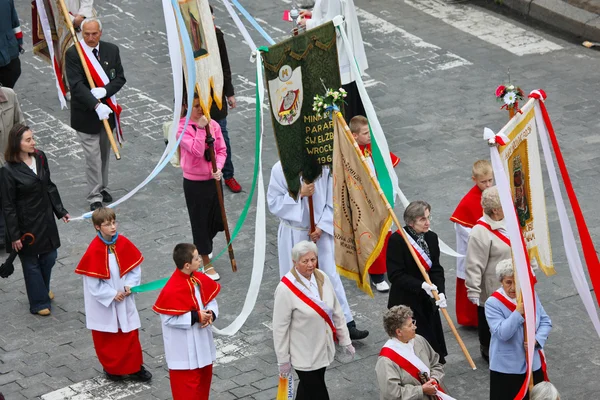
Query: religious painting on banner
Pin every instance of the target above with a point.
(296, 70)
(521, 159)
(195, 21)
(361, 219)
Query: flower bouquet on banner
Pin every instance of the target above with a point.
(510, 95)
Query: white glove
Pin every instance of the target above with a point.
(474, 300)
(350, 349)
(285, 369)
(428, 288)
(99, 92)
(103, 111)
(441, 303)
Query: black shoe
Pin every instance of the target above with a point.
(114, 378)
(143, 375)
(106, 197)
(356, 334)
(95, 205)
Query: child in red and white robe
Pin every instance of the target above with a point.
(187, 308)
(110, 267)
(465, 216)
(359, 126)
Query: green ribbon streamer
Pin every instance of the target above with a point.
(160, 283)
(383, 175)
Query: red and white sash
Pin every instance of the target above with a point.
(500, 233)
(311, 300)
(423, 257)
(508, 303)
(100, 80)
(404, 356)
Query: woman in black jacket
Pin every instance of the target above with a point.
(408, 285)
(29, 202)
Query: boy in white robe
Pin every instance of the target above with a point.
(187, 308)
(294, 226)
(110, 267)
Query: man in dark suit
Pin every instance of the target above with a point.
(89, 108)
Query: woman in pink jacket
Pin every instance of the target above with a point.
(198, 181)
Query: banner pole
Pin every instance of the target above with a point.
(210, 140)
(410, 248)
(65, 13)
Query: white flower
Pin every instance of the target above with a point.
(335, 96)
(320, 104)
(511, 87)
(510, 98)
(342, 90)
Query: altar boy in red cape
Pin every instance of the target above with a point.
(187, 308)
(465, 217)
(110, 267)
(359, 126)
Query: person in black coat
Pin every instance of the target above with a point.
(87, 112)
(408, 285)
(30, 200)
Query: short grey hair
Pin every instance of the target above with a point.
(91, 19)
(490, 200)
(544, 391)
(504, 268)
(414, 210)
(303, 248)
(395, 318)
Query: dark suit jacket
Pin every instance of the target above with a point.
(83, 116)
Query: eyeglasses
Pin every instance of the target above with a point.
(414, 323)
(109, 224)
(422, 220)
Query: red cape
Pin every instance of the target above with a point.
(177, 297)
(366, 149)
(469, 209)
(94, 262)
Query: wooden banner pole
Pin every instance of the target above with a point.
(375, 183)
(65, 13)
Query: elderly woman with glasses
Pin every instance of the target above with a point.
(505, 317)
(407, 367)
(408, 285)
(488, 245)
(307, 321)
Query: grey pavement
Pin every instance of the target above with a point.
(432, 85)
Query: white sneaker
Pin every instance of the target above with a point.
(210, 256)
(382, 287)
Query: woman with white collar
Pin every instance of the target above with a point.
(307, 321)
(507, 351)
(407, 367)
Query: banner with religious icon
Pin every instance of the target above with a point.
(521, 159)
(296, 70)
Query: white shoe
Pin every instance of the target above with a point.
(210, 256)
(382, 287)
(215, 276)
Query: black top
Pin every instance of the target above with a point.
(83, 116)
(29, 204)
(228, 91)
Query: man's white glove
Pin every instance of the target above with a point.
(428, 288)
(99, 92)
(103, 111)
(285, 369)
(474, 300)
(441, 303)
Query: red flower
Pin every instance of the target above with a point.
(500, 90)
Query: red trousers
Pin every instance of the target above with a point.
(466, 312)
(119, 353)
(379, 266)
(191, 384)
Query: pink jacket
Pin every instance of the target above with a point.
(192, 161)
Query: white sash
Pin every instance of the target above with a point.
(422, 255)
(320, 303)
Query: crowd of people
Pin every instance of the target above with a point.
(311, 313)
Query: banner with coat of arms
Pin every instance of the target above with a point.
(296, 70)
(521, 159)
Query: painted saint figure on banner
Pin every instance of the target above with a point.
(286, 95)
(194, 26)
(519, 182)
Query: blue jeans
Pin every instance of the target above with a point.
(37, 269)
(228, 167)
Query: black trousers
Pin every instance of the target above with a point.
(312, 385)
(507, 386)
(354, 105)
(204, 211)
(10, 73)
(483, 329)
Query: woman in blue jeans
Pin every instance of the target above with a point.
(30, 200)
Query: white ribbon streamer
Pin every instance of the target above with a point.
(571, 252)
(240, 26)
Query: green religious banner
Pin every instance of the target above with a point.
(297, 70)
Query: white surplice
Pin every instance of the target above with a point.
(462, 240)
(189, 346)
(294, 223)
(326, 10)
(102, 312)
